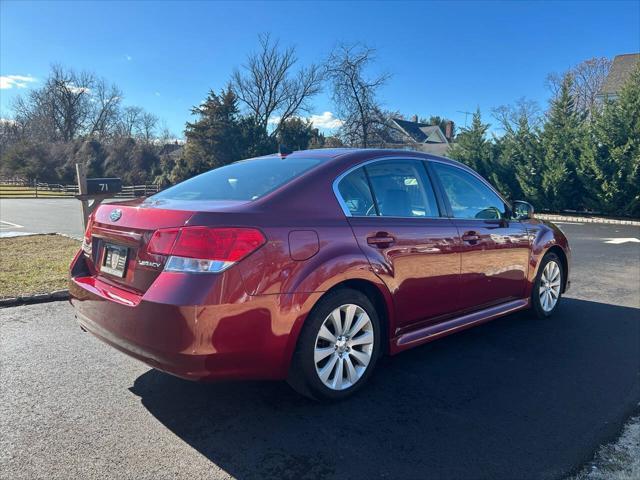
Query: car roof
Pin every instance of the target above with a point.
(354, 155)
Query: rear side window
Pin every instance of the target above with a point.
(469, 197)
(401, 189)
(356, 195)
(245, 180)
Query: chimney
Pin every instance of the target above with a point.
(414, 118)
(448, 130)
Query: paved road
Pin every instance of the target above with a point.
(35, 215)
(515, 398)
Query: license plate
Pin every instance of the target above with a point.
(114, 260)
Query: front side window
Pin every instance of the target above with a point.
(401, 189)
(468, 196)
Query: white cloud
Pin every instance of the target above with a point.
(75, 89)
(128, 57)
(157, 94)
(17, 81)
(327, 121)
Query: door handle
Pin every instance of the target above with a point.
(470, 237)
(381, 240)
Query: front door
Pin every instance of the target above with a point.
(396, 219)
(495, 248)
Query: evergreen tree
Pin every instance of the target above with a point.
(610, 167)
(472, 147)
(561, 143)
(214, 139)
(521, 158)
(296, 133)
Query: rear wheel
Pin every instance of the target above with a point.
(338, 346)
(547, 289)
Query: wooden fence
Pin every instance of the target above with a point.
(25, 189)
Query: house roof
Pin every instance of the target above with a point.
(619, 73)
(420, 132)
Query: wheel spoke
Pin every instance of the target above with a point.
(322, 353)
(325, 334)
(325, 372)
(337, 321)
(361, 357)
(337, 379)
(364, 339)
(352, 375)
(350, 314)
(361, 321)
(554, 293)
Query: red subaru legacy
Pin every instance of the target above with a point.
(310, 266)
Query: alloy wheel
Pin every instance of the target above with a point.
(344, 347)
(549, 290)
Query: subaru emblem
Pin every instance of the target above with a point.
(115, 215)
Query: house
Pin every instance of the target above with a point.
(621, 69)
(415, 135)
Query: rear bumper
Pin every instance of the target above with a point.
(251, 338)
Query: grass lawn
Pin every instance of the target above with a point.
(35, 264)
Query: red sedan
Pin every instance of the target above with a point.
(310, 266)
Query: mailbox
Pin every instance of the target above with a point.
(103, 186)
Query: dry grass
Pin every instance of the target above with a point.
(35, 264)
(619, 460)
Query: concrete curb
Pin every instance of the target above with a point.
(36, 298)
(580, 219)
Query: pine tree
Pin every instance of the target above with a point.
(610, 167)
(561, 142)
(472, 147)
(296, 133)
(214, 139)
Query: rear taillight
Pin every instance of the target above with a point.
(86, 239)
(204, 249)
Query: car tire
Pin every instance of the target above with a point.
(547, 289)
(338, 347)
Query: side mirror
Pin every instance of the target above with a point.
(522, 210)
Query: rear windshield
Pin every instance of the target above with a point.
(245, 180)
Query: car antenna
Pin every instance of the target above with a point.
(283, 150)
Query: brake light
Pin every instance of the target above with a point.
(204, 249)
(86, 239)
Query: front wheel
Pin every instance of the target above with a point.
(547, 289)
(338, 346)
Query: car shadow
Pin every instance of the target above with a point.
(515, 398)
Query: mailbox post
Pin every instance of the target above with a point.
(94, 190)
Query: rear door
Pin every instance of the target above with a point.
(396, 219)
(494, 247)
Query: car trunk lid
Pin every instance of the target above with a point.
(120, 233)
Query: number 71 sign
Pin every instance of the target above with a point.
(94, 190)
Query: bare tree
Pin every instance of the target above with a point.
(270, 88)
(106, 109)
(354, 93)
(588, 78)
(147, 126)
(510, 116)
(69, 105)
(130, 120)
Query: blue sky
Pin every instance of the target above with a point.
(444, 57)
